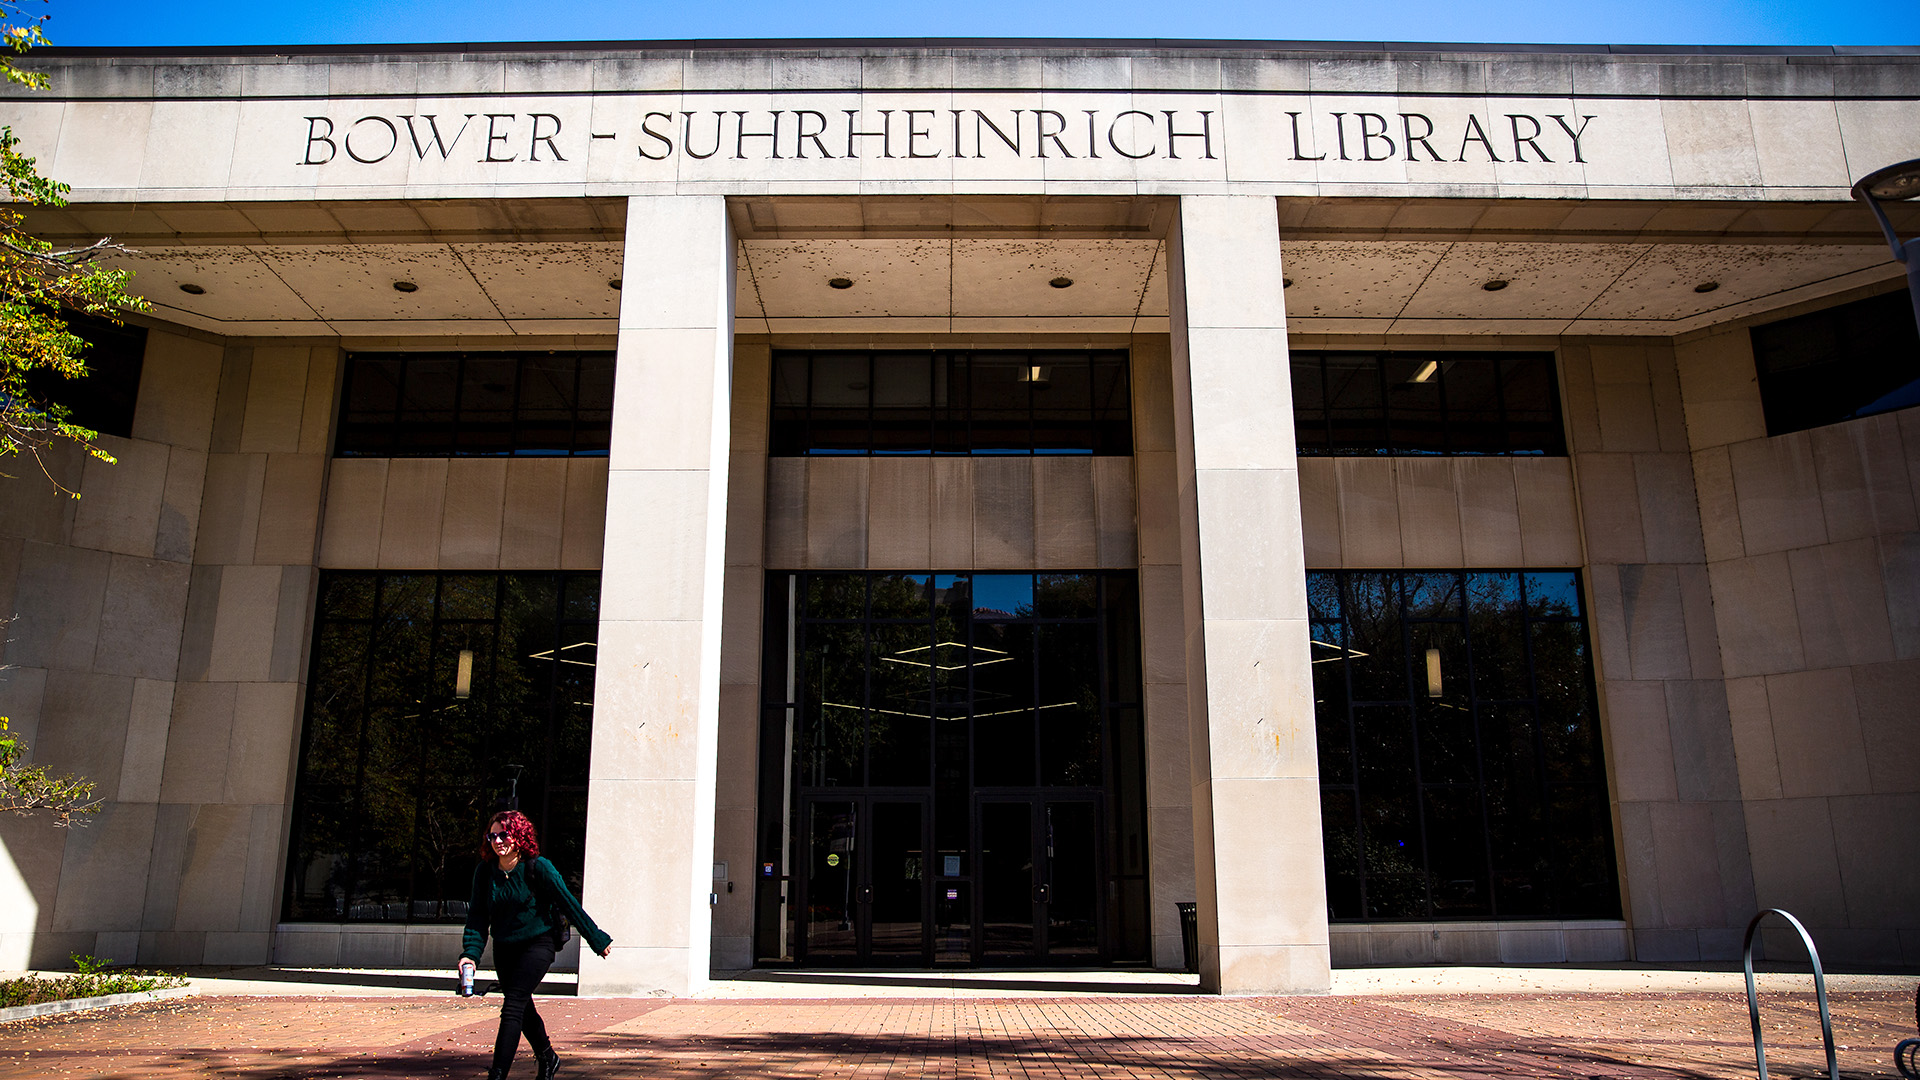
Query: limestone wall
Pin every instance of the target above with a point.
(1812, 549)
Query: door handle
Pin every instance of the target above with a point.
(864, 894)
(1042, 894)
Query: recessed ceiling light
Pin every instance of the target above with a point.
(191, 289)
(614, 284)
(405, 286)
(1706, 286)
(1286, 283)
(1495, 285)
(840, 283)
(1061, 283)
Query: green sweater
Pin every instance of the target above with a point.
(521, 905)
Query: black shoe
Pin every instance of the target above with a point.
(549, 1064)
(496, 1074)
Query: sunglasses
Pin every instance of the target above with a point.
(495, 837)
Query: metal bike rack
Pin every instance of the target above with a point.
(1819, 987)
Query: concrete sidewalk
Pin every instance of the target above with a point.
(1082, 1026)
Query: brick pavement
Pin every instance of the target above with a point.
(1672, 1036)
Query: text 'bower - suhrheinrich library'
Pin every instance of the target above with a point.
(949, 504)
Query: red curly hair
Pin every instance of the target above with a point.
(516, 825)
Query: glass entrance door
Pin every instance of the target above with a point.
(865, 888)
(1039, 879)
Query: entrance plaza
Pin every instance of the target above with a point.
(950, 506)
(1418, 1024)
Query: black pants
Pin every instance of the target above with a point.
(520, 966)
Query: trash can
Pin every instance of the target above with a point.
(1190, 935)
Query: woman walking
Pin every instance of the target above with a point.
(520, 898)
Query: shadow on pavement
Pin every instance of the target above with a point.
(1093, 984)
(382, 980)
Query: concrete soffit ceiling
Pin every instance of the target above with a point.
(1017, 266)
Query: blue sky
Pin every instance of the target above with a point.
(251, 22)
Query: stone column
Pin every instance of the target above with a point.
(1259, 874)
(650, 791)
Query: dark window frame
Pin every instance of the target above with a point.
(956, 418)
(1846, 362)
(1344, 708)
(1119, 689)
(1321, 431)
(548, 790)
(106, 398)
(459, 427)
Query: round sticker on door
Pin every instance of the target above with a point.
(833, 860)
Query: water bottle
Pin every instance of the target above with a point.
(466, 978)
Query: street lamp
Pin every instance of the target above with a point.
(1896, 183)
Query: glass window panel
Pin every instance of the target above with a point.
(1309, 404)
(1122, 626)
(1425, 403)
(348, 595)
(1062, 403)
(902, 596)
(593, 427)
(1001, 399)
(836, 596)
(1323, 595)
(1330, 710)
(1356, 411)
(450, 823)
(1532, 405)
(840, 420)
(1584, 884)
(1112, 413)
(1415, 422)
(1468, 813)
(1855, 359)
(391, 753)
(1552, 595)
(1456, 852)
(1433, 595)
(835, 661)
(1472, 388)
(1341, 836)
(1003, 749)
(487, 398)
(1069, 705)
(902, 403)
(1002, 658)
(900, 684)
(461, 404)
(787, 433)
(1066, 596)
(997, 596)
(1376, 651)
(320, 873)
(582, 597)
(952, 404)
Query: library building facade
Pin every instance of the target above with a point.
(1256, 508)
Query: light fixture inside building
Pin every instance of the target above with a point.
(1433, 673)
(1035, 373)
(1061, 283)
(1495, 285)
(1706, 286)
(463, 675)
(839, 283)
(191, 289)
(405, 286)
(1426, 372)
